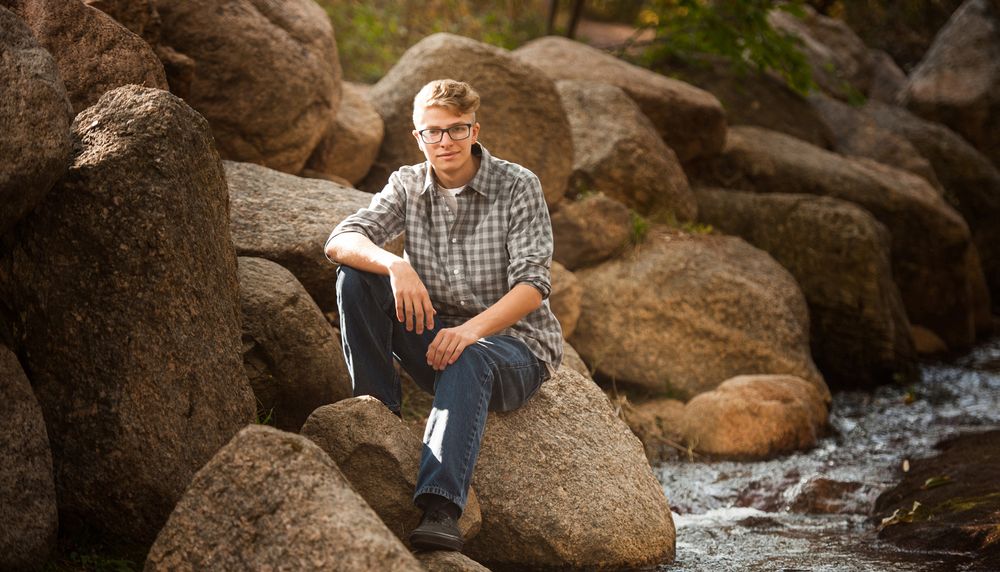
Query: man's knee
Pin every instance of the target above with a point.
(351, 282)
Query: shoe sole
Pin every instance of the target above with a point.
(434, 541)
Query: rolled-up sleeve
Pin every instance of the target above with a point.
(382, 220)
(529, 237)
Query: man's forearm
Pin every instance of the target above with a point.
(507, 311)
(357, 251)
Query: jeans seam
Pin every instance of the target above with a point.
(470, 442)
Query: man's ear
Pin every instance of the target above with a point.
(416, 135)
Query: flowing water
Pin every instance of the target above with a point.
(812, 511)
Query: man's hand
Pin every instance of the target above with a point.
(413, 304)
(449, 344)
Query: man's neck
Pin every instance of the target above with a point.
(460, 178)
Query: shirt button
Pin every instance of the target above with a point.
(454, 240)
(462, 302)
(457, 270)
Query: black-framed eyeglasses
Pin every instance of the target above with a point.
(456, 132)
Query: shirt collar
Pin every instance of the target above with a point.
(478, 182)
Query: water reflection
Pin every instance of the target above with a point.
(811, 511)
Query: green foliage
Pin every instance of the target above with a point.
(372, 35)
(265, 417)
(737, 31)
(640, 228)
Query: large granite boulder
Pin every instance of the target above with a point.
(521, 114)
(888, 80)
(857, 134)
(27, 491)
(444, 561)
(35, 114)
(287, 219)
(94, 53)
(380, 456)
(617, 151)
(958, 81)
(563, 483)
(970, 180)
(271, 500)
(139, 16)
(841, 63)
(932, 254)
(751, 97)
(565, 298)
(755, 416)
(124, 281)
(352, 140)
(291, 353)
(267, 76)
(691, 121)
(839, 255)
(681, 313)
(589, 229)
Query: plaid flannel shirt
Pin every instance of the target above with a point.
(501, 236)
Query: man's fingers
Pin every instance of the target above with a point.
(418, 317)
(432, 349)
(399, 308)
(442, 352)
(409, 315)
(429, 313)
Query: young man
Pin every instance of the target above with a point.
(465, 311)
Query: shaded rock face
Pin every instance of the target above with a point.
(617, 151)
(290, 352)
(139, 16)
(94, 53)
(267, 74)
(903, 29)
(658, 423)
(562, 483)
(681, 313)
(27, 491)
(958, 81)
(573, 361)
(380, 456)
(131, 329)
(856, 134)
(888, 80)
(565, 298)
(961, 513)
(931, 249)
(756, 416)
(750, 98)
(443, 561)
(287, 219)
(271, 500)
(352, 140)
(589, 229)
(36, 115)
(690, 121)
(521, 114)
(971, 182)
(839, 255)
(841, 63)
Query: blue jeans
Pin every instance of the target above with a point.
(497, 373)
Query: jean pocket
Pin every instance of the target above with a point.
(515, 386)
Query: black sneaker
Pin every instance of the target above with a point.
(438, 530)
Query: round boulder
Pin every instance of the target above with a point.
(351, 142)
(94, 53)
(565, 298)
(290, 352)
(563, 483)
(128, 311)
(36, 115)
(756, 416)
(380, 456)
(271, 500)
(690, 121)
(521, 114)
(139, 16)
(682, 312)
(267, 74)
(27, 491)
(589, 229)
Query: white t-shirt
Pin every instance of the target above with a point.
(449, 197)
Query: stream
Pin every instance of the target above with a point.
(811, 511)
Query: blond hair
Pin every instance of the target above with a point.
(456, 96)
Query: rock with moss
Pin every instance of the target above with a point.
(619, 153)
(272, 500)
(521, 115)
(291, 354)
(380, 456)
(934, 262)
(563, 484)
(27, 489)
(94, 53)
(691, 121)
(590, 229)
(683, 312)
(125, 282)
(839, 255)
(36, 115)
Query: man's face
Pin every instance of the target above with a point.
(447, 155)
